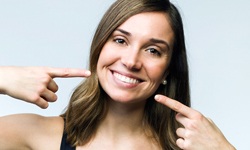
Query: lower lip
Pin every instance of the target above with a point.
(124, 84)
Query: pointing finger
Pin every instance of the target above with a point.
(176, 106)
(68, 72)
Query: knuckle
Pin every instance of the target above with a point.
(41, 89)
(188, 134)
(66, 72)
(198, 116)
(187, 145)
(196, 122)
(192, 125)
(46, 79)
(177, 106)
(35, 98)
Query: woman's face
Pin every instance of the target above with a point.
(134, 60)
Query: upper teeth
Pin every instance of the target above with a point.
(125, 79)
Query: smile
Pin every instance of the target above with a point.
(125, 78)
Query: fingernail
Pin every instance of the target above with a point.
(157, 97)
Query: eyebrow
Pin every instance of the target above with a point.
(153, 40)
(124, 32)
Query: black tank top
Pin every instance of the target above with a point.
(65, 145)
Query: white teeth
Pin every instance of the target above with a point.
(125, 79)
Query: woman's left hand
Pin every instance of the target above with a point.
(198, 132)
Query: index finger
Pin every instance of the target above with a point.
(176, 106)
(68, 72)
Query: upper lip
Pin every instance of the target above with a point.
(128, 75)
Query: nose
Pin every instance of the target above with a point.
(131, 60)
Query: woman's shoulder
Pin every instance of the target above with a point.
(31, 131)
(31, 122)
(30, 118)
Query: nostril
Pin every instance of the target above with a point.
(134, 66)
(132, 63)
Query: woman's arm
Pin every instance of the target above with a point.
(34, 84)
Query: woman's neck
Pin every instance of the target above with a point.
(123, 118)
(123, 128)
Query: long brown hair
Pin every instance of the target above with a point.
(87, 106)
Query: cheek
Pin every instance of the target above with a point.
(101, 63)
(157, 72)
(102, 60)
(106, 58)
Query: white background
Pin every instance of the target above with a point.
(58, 34)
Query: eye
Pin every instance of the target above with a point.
(119, 41)
(154, 51)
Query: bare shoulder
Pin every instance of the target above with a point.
(30, 131)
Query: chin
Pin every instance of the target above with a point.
(126, 99)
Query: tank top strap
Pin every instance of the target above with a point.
(64, 144)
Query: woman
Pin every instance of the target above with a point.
(138, 66)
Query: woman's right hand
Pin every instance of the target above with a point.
(198, 132)
(35, 84)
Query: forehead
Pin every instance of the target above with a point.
(150, 25)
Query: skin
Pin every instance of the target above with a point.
(198, 132)
(39, 86)
(122, 128)
(29, 131)
(132, 52)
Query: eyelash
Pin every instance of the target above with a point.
(152, 51)
(119, 41)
